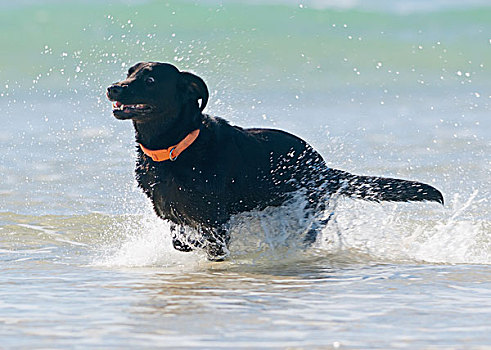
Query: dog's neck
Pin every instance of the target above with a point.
(160, 134)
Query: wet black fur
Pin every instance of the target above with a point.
(228, 169)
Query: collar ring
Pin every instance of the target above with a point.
(171, 158)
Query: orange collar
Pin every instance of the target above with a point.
(172, 152)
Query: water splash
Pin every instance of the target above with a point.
(387, 232)
(457, 239)
(273, 234)
(419, 232)
(142, 240)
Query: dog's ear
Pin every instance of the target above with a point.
(194, 88)
(134, 68)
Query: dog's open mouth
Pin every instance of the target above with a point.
(127, 111)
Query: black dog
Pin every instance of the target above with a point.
(199, 170)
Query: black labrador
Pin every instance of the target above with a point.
(199, 170)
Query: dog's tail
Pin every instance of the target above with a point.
(378, 189)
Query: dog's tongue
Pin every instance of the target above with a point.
(118, 104)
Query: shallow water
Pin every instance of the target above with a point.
(395, 88)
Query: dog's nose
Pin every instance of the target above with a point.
(114, 91)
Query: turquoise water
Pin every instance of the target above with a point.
(391, 88)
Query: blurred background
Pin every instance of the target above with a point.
(388, 87)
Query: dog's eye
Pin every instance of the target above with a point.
(149, 80)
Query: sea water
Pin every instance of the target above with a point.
(388, 88)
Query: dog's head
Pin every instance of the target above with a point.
(156, 90)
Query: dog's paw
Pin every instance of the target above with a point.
(181, 246)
